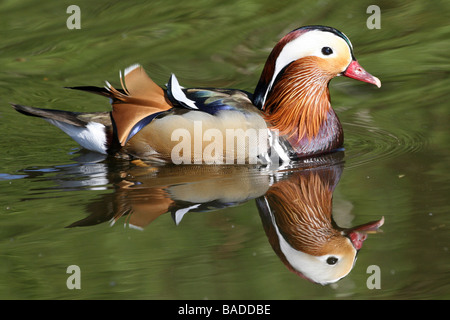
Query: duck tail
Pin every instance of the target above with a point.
(90, 130)
(134, 105)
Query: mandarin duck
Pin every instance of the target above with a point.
(290, 110)
(297, 217)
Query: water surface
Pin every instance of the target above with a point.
(395, 162)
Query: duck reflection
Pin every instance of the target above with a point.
(295, 206)
(143, 193)
(297, 219)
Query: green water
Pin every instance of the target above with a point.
(396, 161)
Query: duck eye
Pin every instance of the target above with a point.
(332, 260)
(327, 51)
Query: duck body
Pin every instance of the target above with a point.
(289, 115)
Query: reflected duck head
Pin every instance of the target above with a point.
(296, 215)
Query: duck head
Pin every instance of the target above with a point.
(293, 87)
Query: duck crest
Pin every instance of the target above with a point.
(299, 101)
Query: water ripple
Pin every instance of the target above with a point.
(366, 144)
